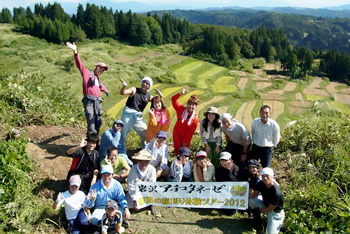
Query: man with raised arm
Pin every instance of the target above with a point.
(91, 88)
(132, 116)
(266, 135)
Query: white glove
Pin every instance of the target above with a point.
(123, 81)
(59, 200)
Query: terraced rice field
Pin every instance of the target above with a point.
(224, 85)
(184, 73)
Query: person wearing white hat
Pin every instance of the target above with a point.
(73, 200)
(132, 116)
(271, 203)
(103, 190)
(203, 169)
(92, 86)
(237, 138)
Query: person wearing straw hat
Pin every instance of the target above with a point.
(142, 171)
(203, 169)
(271, 203)
(210, 130)
(187, 120)
(132, 116)
(92, 86)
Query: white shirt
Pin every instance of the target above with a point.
(265, 135)
(73, 203)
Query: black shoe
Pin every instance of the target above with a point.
(125, 224)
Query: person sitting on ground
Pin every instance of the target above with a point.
(227, 171)
(103, 190)
(203, 169)
(114, 137)
(92, 87)
(237, 138)
(181, 167)
(159, 150)
(187, 120)
(121, 168)
(159, 118)
(112, 220)
(132, 116)
(271, 202)
(85, 162)
(73, 200)
(141, 172)
(210, 129)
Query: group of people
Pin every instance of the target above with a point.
(96, 196)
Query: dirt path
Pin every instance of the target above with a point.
(244, 113)
(242, 83)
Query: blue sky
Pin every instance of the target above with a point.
(187, 4)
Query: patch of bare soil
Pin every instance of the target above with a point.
(346, 90)
(298, 96)
(262, 85)
(269, 96)
(317, 92)
(258, 78)
(290, 86)
(343, 98)
(258, 72)
(302, 104)
(276, 91)
(242, 83)
(296, 110)
(315, 83)
(331, 87)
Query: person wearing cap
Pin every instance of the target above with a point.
(266, 135)
(132, 116)
(142, 171)
(92, 86)
(120, 166)
(271, 203)
(112, 220)
(181, 167)
(85, 162)
(203, 169)
(73, 200)
(187, 120)
(103, 190)
(227, 171)
(114, 137)
(159, 118)
(210, 130)
(237, 138)
(159, 150)
(252, 173)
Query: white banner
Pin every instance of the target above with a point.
(221, 195)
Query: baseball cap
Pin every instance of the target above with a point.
(184, 151)
(201, 154)
(225, 155)
(107, 169)
(162, 134)
(267, 171)
(118, 122)
(75, 180)
(112, 203)
(253, 163)
(102, 65)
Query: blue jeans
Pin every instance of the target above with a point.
(262, 153)
(96, 216)
(274, 219)
(74, 226)
(133, 119)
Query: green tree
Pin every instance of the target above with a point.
(143, 33)
(6, 16)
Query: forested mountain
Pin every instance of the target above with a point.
(312, 32)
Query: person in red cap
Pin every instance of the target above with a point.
(187, 120)
(91, 88)
(203, 169)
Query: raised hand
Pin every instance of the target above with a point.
(159, 93)
(60, 197)
(72, 46)
(123, 82)
(83, 142)
(151, 111)
(184, 90)
(92, 195)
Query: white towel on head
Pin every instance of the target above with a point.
(149, 79)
